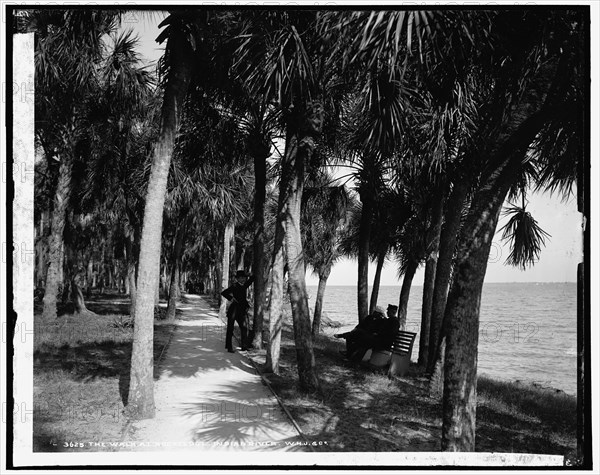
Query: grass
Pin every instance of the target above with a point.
(81, 375)
(360, 410)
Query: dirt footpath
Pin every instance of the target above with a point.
(207, 398)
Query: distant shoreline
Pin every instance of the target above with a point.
(415, 285)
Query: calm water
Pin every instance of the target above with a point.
(528, 331)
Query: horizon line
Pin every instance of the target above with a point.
(503, 282)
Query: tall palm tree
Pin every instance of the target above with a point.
(69, 47)
(549, 62)
(284, 62)
(123, 127)
(182, 26)
(324, 215)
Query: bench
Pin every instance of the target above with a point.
(397, 357)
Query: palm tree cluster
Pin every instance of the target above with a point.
(441, 116)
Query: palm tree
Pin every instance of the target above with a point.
(68, 54)
(371, 131)
(409, 249)
(549, 87)
(323, 218)
(178, 62)
(283, 63)
(124, 123)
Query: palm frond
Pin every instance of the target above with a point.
(525, 236)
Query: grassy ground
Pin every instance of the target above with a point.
(81, 375)
(360, 410)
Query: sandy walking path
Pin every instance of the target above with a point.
(207, 398)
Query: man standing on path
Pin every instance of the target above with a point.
(238, 309)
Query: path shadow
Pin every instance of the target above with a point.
(201, 349)
(241, 415)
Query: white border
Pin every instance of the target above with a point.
(397, 459)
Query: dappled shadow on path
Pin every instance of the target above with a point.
(211, 398)
(239, 415)
(200, 343)
(200, 349)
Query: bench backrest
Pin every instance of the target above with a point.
(403, 343)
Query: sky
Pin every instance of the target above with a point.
(559, 218)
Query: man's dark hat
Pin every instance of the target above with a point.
(241, 273)
(393, 308)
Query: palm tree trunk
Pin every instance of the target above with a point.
(448, 239)
(299, 149)
(405, 293)
(583, 376)
(240, 259)
(433, 238)
(364, 239)
(131, 264)
(276, 298)
(277, 285)
(141, 389)
(260, 155)
(232, 254)
(227, 238)
(376, 281)
(461, 318)
(57, 226)
(89, 277)
(316, 324)
(175, 271)
(460, 366)
(78, 300)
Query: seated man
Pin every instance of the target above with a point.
(391, 326)
(376, 331)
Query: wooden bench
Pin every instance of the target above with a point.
(401, 352)
(397, 357)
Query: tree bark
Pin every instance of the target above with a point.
(276, 298)
(364, 239)
(89, 277)
(376, 281)
(260, 152)
(227, 238)
(78, 300)
(131, 274)
(140, 402)
(240, 259)
(57, 227)
(460, 366)
(443, 272)
(316, 324)
(300, 145)
(433, 244)
(176, 267)
(405, 293)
